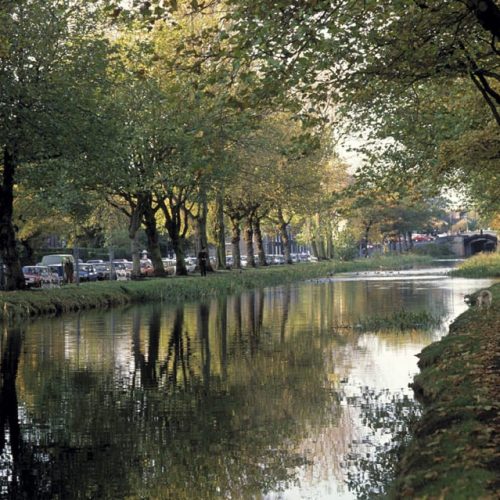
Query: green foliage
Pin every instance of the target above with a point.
(49, 105)
(434, 250)
(345, 245)
(425, 107)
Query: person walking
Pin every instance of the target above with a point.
(202, 261)
(69, 271)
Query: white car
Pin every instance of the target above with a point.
(191, 263)
(169, 265)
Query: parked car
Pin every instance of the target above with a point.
(57, 271)
(422, 238)
(87, 272)
(169, 265)
(48, 260)
(103, 271)
(38, 276)
(95, 261)
(278, 259)
(191, 263)
(123, 269)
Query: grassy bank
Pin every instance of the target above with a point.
(483, 265)
(455, 449)
(19, 305)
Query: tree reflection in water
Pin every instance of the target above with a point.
(226, 398)
(372, 463)
(160, 402)
(15, 476)
(178, 355)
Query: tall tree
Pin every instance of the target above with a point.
(52, 68)
(405, 72)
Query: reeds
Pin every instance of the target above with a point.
(482, 265)
(400, 321)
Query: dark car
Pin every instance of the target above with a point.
(104, 271)
(87, 272)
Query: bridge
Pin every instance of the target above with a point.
(468, 244)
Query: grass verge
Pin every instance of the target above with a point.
(25, 304)
(482, 265)
(455, 449)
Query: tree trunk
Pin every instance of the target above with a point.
(487, 14)
(285, 238)
(29, 254)
(320, 245)
(235, 243)
(248, 237)
(136, 256)
(176, 224)
(8, 248)
(329, 245)
(153, 241)
(406, 245)
(314, 248)
(178, 244)
(410, 240)
(220, 232)
(258, 240)
(133, 228)
(202, 229)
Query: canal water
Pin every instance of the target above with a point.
(266, 394)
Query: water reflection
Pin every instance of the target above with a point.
(235, 398)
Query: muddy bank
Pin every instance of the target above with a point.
(455, 451)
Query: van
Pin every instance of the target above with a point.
(60, 259)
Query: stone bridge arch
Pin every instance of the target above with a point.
(480, 243)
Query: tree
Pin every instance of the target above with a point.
(392, 214)
(49, 98)
(414, 94)
(280, 174)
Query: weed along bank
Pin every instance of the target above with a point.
(111, 293)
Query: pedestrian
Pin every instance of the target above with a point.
(202, 261)
(68, 271)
